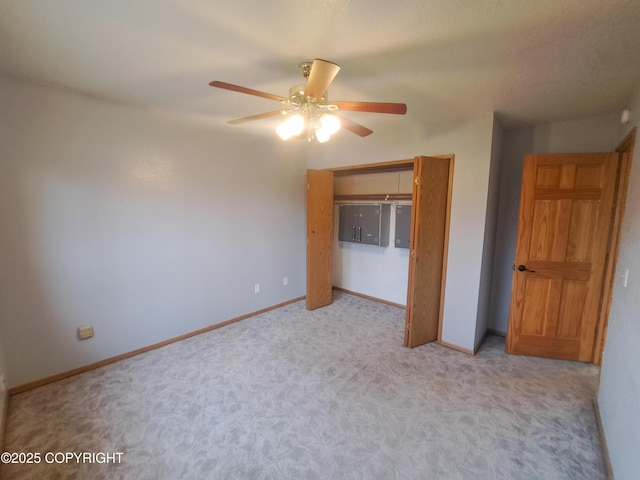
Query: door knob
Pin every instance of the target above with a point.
(523, 268)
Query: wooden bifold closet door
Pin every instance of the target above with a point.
(319, 238)
(428, 247)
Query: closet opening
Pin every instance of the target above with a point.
(381, 231)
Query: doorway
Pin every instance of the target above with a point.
(571, 212)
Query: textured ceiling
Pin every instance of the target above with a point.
(532, 61)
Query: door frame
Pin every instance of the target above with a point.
(625, 149)
(405, 165)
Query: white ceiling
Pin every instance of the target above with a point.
(532, 61)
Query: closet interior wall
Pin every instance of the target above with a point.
(374, 271)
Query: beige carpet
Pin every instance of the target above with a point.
(328, 394)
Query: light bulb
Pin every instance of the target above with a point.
(326, 126)
(291, 127)
(322, 134)
(330, 123)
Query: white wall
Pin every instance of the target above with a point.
(141, 225)
(619, 393)
(380, 272)
(491, 224)
(470, 141)
(593, 134)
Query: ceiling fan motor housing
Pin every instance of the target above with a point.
(297, 97)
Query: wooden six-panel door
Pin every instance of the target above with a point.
(566, 208)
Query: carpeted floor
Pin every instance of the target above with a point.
(327, 394)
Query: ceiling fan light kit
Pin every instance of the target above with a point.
(312, 115)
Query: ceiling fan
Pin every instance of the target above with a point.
(309, 112)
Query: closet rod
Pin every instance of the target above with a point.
(380, 196)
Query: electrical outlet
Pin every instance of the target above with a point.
(285, 281)
(85, 332)
(256, 288)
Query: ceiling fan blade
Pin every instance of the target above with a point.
(354, 127)
(372, 107)
(250, 91)
(322, 74)
(259, 116)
